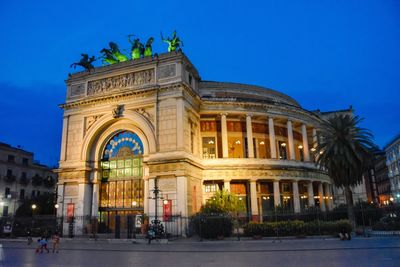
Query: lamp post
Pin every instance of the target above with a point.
(33, 213)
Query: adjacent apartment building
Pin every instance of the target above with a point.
(392, 151)
(21, 178)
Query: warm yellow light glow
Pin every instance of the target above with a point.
(211, 142)
(237, 142)
(134, 203)
(34, 206)
(300, 147)
(262, 143)
(56, 206)
(313, 149)
(283, 144)
(165, 201)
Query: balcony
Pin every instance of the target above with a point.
(9, 178)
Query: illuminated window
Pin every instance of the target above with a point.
(211, 188)
(209, 148)
(282, 150)
(122, 183)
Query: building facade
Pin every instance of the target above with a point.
(21, 178)
(392, 151)
(130, 125)
(377, 180)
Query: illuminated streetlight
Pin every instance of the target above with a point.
(56, 206)
(33, 206)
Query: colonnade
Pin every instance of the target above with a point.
(323, 194)
(271, 133)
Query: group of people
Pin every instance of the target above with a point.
(43, 243)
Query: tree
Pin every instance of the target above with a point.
(223, 201)
(345, 151)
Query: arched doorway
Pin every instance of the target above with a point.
(121, 186)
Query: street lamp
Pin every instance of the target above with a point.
(33, 213)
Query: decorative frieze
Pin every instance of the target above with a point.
(119, 82)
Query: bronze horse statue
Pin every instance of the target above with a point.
(85, 62)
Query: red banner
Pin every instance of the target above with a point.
(70, 211)
(167, 210)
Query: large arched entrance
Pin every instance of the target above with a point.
(121, 185)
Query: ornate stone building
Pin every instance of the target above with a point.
(129, 124)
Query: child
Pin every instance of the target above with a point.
(42, 245)
(56, 241)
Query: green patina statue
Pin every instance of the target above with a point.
(174, 43)
(137, 47)
(113, 55)
(148, 51)
(85, 62)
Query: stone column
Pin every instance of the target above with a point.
(60, 200)
(321, 197)
(253, 201)
(179, 124)
(82, 207)
(296, 197)
(290, 140)
(64, 139)
(181, 199)
(277, 194)
(224, 134)
(227, 185)
(181, 192)
(146, 196)
(328, 194)
(310, 192)
(249, 130)
(306, 150)
(315, 138)
(271, 134)
(95, 199)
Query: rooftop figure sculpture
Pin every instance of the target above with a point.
(174, 43)
(137, 47)
(148, 51)
(85, 62)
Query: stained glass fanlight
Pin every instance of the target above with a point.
(123, 144)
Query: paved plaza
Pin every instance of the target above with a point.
(306, 252)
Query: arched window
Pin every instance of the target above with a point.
(121, 176)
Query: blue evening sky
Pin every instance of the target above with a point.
(327, 55)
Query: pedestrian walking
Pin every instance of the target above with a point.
(29, 234)
(56, 242)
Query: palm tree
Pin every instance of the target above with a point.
(345, 151)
